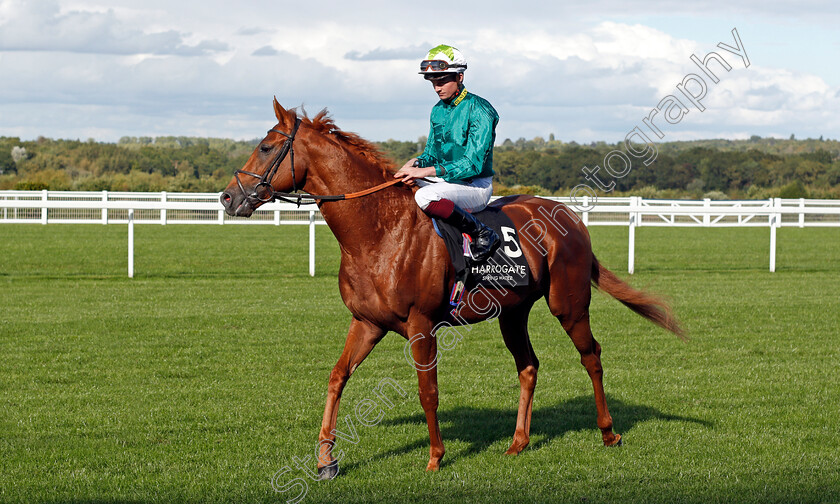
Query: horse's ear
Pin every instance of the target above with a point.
(280, 112)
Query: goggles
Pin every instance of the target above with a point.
(437, 66)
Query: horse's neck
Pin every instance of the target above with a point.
(340, 171)
(367, 222)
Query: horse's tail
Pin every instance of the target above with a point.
(647, 305)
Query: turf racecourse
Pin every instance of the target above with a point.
(205, 376)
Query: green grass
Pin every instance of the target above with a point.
(205, 375)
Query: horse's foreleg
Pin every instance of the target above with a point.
(514, 326)
(424, 353)
(361, 339)
(590, 357)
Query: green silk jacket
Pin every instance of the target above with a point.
(461, 138)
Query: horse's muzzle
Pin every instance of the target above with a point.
(236, 205)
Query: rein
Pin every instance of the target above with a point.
(297, 198)
(265, 193)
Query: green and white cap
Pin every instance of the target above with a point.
(443, 59)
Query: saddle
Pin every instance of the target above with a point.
(506, 268)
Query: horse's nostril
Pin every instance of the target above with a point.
(225, 198)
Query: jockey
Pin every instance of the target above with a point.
(459, 152)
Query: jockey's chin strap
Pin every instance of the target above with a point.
(265, 193)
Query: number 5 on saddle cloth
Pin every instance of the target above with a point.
(506, 268)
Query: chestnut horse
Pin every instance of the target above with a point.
(396, 274)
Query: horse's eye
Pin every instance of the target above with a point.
(266, 147)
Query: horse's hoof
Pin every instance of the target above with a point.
(618, 442)
(516, 448)
(328, 472)
(433, 466)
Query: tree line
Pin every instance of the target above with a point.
(720, 169)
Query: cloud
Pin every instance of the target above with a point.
(414, 52)
(169, 68)
(39, 25)
(164, 85)
(265, 51)
(251, 31)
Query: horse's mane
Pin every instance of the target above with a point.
(324, 123)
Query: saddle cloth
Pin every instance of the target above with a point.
(506, 268)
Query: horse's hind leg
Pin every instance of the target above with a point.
(590, 357)
(514, 326)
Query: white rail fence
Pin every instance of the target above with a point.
(73, 207)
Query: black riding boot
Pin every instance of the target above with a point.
(485, 241)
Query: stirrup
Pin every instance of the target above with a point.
(483, 255)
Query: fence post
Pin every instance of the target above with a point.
(277, 217)
(584, 210)
(104, 210)
(707, 219)
(775, 221)
(221, 217)
(802, 215)
(773, 246)
(131, 243)
(778, 204)
(639, 216)
(770, 214)
(163, 210)
(631, 252)
(312, 243)
(44, 197)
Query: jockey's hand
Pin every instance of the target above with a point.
(408, 173)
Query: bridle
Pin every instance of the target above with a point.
(265, 193)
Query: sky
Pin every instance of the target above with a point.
(582, 71)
